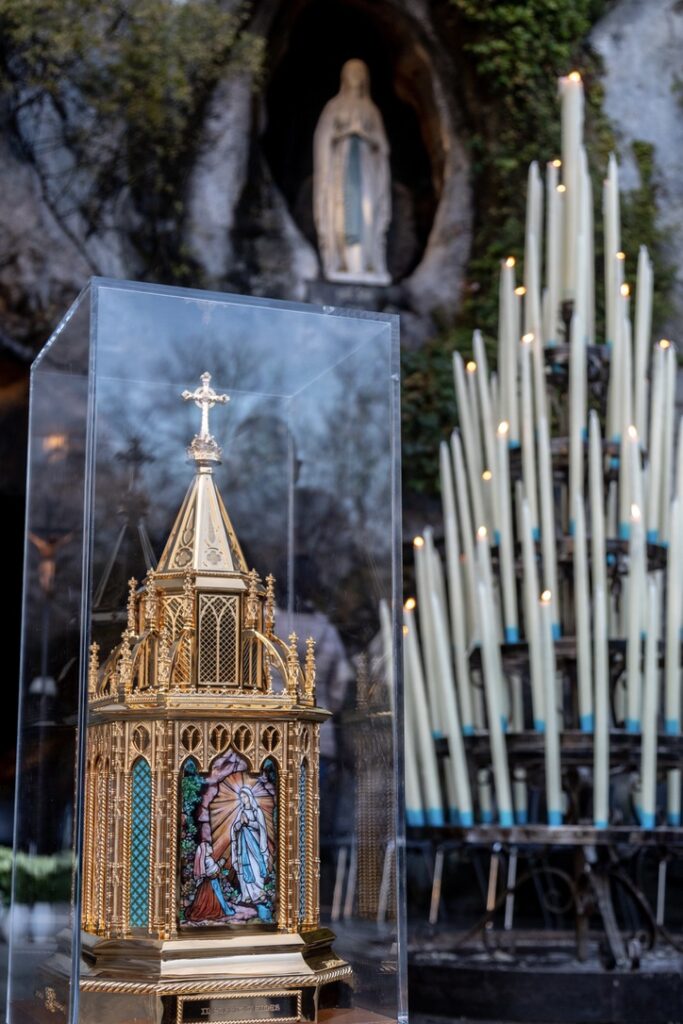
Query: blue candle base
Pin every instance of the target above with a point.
(554, 817)
(511, 635)
(672, 727)
(600, 823)
(486, 817)
(572, 527)
(437, 735)
(674, 820)
(496, 537)
(539, 725)
(434, 816)
(506, 819)
(647, 819)
(466, 819)
(632, 725)
(624, 531)
(415, 819)
(586, 723)
(521, 817)
(512, 445)
(536, 533)
(652, 536)
(468, 730)
(557, 631)
(503, 723)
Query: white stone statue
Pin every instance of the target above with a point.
(351, 182)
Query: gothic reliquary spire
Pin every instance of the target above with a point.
(201, 800)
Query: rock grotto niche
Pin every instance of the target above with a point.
(309, 44)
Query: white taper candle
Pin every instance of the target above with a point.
(602, 712)
(582, 619)
(457, 759)
(648, 761)
(429, 770)
(506, 547)
(674, 621)
(553, 778)
(492, 688)
(532, 626)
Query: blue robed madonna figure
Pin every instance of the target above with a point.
(351, 182)
(249, 850)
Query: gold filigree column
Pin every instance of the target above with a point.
(118, 925)
(88, 840)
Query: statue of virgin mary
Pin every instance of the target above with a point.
(249, 851)
(351, 182)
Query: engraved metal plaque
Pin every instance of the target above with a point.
(240, 1008)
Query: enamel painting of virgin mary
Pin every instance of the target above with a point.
(227, 863)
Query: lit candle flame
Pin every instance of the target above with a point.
(471, 366)
(520, 290)
(527, 339)
(503, 428)
(487, 475)
(546, 597)
(632, 432)
(635, 513)
(561, 188)
(621, 255)
(664, 343)
(625, 290)
(418, 542)
(410, 604)
(405, 631)
(510, 261)
(482, 533)
(574, 76)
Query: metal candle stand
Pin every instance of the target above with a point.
(607, 881)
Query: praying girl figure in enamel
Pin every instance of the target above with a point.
(351, 182)
(249, 849)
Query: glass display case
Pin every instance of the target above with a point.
(208, 812)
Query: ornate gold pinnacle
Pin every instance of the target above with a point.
(126, 665)
(164, 665)
(132, 587)
(292, 664)
(309, 675)
(151, 602)
(269, 610)
(187, 616)
(252, 609)
(93, 667)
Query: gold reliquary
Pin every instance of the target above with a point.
(201, 861)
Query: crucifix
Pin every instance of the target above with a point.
(205, 398)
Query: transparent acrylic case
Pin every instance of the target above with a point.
(310, 480)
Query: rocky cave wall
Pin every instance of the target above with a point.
(640, 45)
(239, 230)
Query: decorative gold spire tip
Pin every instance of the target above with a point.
(204, 448)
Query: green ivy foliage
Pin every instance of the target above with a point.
(128, 79)
(510, 57)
